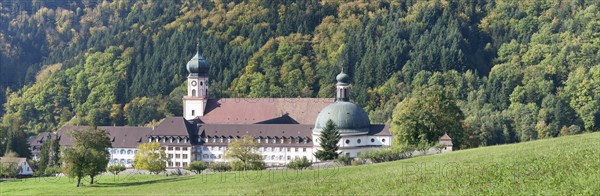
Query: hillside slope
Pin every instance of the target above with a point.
(560, 166)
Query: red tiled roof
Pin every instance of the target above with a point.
(264, 110)
(445, 137)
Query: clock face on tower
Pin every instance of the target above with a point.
(194, 83)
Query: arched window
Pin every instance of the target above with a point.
(358, 141)
(201, 83)
(129, 152)
(122, 151)
(194, 93)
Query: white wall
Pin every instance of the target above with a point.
(122, 156)
(196, 105)
(179, 156)
(25, 169)
(271, 155)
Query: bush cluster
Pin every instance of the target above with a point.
(253, 165)
(299, 163)
(345, 160)
(219, 167)
(378, 156)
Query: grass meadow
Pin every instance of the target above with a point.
(559, 166)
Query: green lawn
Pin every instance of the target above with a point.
(560, 166)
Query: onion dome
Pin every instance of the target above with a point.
(343, 78)
(198, 66)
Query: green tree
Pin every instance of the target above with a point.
(116, 168)
(9, 165)
(150, 157)
(243, 152)
(328, 141)
(88, 155)
(16, 140)
(197, 166)
(425, 116)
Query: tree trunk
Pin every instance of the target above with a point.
(78, 182)
(92, 180)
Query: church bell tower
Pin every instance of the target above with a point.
(197, 92)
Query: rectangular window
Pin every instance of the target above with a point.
(185, 156)
(170, 156)
(176, 148)
(170, 148)
(295, 149)
(288, 149)
(185, 164)
(193, 112)
(177, 164)
(303, 149)
(177, 156)
(185, 148)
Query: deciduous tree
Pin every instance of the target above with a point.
(150, 157)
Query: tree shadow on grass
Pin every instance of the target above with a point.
(138, 183)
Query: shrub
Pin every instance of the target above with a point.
(116, 168)
(53, 170)
(197, 166)
(356, 162)
(241, 166)
(377, 156)
(219, 167)
(301, 163)
(345, 160)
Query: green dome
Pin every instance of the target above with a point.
(197, 65)
(348, 118)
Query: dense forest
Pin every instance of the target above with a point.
(518, 70)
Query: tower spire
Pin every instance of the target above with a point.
(197, 46)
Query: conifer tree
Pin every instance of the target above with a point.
(328, 140)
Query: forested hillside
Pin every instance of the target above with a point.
(518, 70)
